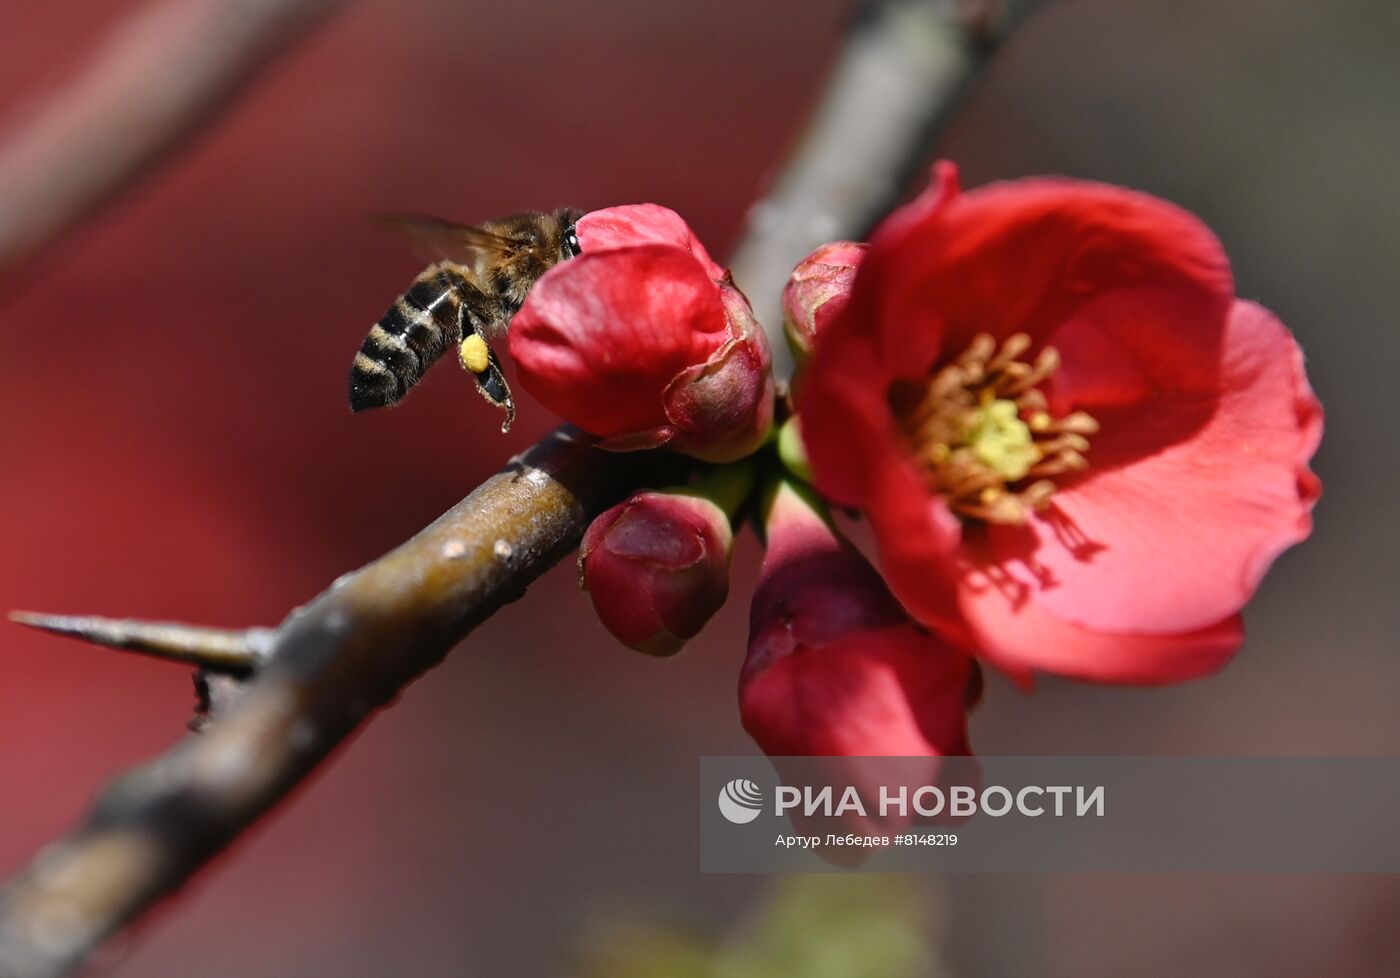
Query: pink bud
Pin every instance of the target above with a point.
(644, 341)
(838, 671)
(835, 666)
(819, 289)
(656, 568)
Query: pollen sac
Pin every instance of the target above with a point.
(656, 568)
(475, 354)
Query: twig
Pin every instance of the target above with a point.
(355, 647)
(160, 78)
(328, 665)
(903, 69)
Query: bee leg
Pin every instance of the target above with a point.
(479, 360)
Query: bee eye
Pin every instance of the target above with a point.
(571, 242)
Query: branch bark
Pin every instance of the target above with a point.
(327, 667)
(330, 664)
(159, 80)
(905, 66)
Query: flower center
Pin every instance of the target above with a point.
(982, 430)
(1000, 440)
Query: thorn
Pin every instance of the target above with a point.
(216, 649)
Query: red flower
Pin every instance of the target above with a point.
(835, 666)
(1079, 452)
(644, 341)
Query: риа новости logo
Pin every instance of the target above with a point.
(740, 801)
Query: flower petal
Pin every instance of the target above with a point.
(848, 430)
(639, 224)
(602, 335)
(1179, 539)
(721, 410)
(890, 692)
(920, 544)
(1024, 256)
(1022, 637)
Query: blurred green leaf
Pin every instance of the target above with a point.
(618, 950)
(817, 926)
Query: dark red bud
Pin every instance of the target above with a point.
(656, 568)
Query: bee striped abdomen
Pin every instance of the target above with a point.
(419, 326)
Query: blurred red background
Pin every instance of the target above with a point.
(174, 443)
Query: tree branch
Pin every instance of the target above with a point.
(325, 668)
(904, 68)
(160, 78)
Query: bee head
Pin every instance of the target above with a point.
(568, 217)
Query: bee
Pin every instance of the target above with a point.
(465, 301)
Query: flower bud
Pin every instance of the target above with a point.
(838, 671)
(629, 225)
(819, 289)
(643, 341)
(656, 567)
(835, 666)
(721, 410)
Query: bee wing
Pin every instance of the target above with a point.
(439, 238)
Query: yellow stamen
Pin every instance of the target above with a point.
(983, 430)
